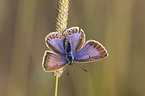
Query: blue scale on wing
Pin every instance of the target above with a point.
(58, 44)
(76, 38)
(92, 51)
(87, 52)
(54, 42)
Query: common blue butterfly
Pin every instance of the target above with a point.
(69, 47)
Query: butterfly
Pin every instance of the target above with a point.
(69, 47)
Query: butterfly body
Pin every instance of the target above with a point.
(69, 47)
(68, 51)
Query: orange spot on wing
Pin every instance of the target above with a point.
(69, 32)
(76, 30)
(53, 36)
(48, 57)
(56, 36)
(73, 31)
(95, 45)
(91, 43)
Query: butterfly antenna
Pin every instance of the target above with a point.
(81, 68)
(68, 71)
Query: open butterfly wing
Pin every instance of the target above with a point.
(52, 62)
(54, 42)
(76, 38)
(92, 51)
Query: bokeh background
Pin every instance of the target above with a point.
(118, 24)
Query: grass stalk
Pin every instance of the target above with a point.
(61, 25)
(56, 84)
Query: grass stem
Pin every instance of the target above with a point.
(61, 25)
(56, 84)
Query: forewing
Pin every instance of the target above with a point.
(52, 62)
(54, 42)
(92, 51)
(76, 38)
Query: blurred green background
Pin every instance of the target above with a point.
(118, 24)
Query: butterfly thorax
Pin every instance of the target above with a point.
(68, 52)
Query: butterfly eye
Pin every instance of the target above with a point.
(69, 32)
